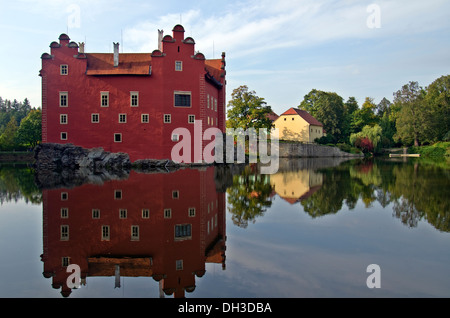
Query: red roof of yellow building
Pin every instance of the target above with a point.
(304, 114)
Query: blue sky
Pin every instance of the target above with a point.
(280, 49)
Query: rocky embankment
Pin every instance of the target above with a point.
(68, 165)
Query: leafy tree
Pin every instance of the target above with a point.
(438, 99)
(383, 107)
(372, 134)
(328, 108)
(365, 115)
(350, 107)
(29, 132)
(8, 137)
(247, 110)
(414, 121)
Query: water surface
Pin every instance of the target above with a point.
(310, 230)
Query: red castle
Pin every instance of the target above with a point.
(130, 102)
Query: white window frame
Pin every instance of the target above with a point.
(167, 213)
(66, 99)
(122, 118)
(64, 213)
(145, 118)
(134, 233)
(96, 213)
(134, 94)
(105, 236)
(93, 115)
(186, 93)
(64, 232)
(63, 69)
(145, 213)
(62, 134)
(120, 136)
(189, 119)
(179, 66)
(175, 137)
(123, 213)
(63, 119)
(169, 117)
(106, 95)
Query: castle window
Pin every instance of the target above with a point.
(64, 234)
(179, 265)
(145, 213)
(167, 213)
(95, 213)
(63, 136)
(122, 213)
(191, 119)
(144, 118)
(105, 233)
(65, 261)
(64, 196)
(63, 99)
(175, 137)
(178, 66)
(63, 119)
(191, 212)
(167, 118)
(135, 232)
(63, 69)
(134, 99)
(182, 99)
(64, 213)
(183, 231)
(122, 118)
(95, 118)
(117, 137)
(104, 99)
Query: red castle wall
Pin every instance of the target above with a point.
(152, 75)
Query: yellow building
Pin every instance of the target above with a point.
(297, 125)
(294, 186)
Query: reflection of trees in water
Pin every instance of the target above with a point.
(416, 192)
(17, 182)
(249, 196)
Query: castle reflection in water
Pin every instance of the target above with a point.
(161, 225)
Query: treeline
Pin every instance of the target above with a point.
(20, 125)
(416, 116)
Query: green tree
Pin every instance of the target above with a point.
(438, 99)
(413, 121)
(328, 108)
(350, 107)
(365, 115)
(8, 137)
(29, 132)
(373, 133)
(247, 110)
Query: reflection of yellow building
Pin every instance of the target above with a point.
(294, 186)
(297, 125)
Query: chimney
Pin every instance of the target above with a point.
(81, 46)
(116, 54)
(160, 37)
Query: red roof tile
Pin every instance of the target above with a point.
(129, 64)
(304, 114)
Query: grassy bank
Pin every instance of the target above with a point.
(438, 151)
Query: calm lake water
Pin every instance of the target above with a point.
(310, 230)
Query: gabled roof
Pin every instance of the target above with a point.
(129, 64)
(272, 116)
(304, 114)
